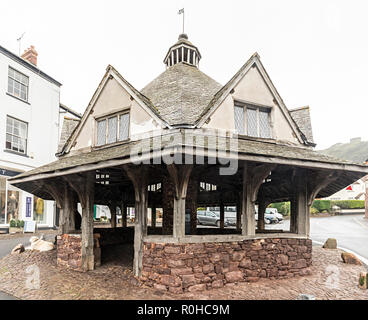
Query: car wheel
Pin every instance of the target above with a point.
(267, 221)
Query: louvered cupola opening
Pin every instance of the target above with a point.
(183, 51)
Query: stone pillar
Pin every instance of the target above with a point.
(222, 215)
(153, 217)
(88, 262)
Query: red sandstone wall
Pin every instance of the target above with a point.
(196, 267)
(69, 251)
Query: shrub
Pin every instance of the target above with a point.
(12, 223)
(349, 204)
(322, 205)
(282, 207)
(313, 210)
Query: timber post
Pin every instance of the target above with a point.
(138, 177)
(153, 216)
(253, 177)
(85, 191)
(222, 215)
(112, 208)
(180, 176)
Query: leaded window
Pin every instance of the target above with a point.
(18, 84)
(112, 129)
(252, 120)
(239, 119)
(16, 135)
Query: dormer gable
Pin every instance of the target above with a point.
(116, 110)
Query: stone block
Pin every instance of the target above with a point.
(234, 276)
(330, 243)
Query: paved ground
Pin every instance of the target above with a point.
(8, 242)
(330, 279)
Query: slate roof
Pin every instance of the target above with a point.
(302, 118)
(181, 93)
(69, 125)
(245, 147)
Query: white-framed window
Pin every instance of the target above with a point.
(112, 129)
(18, 84)
(252, 120)
(16, 135)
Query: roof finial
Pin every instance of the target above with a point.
(181, 11)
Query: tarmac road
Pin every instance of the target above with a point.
(350, 231)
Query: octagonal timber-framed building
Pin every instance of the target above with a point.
(183, 142)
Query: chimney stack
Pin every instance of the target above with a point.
(30, 55)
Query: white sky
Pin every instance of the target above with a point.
(316, 52)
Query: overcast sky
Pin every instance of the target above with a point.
(316, 52)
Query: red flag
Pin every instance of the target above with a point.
(349, 188)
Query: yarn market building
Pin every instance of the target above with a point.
(183, 142)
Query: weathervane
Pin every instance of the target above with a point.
(181, 11)
(19, 40)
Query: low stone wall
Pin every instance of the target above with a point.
(69, 251)
(199, 266)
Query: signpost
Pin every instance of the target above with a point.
(29, 226)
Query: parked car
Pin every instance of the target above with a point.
(268, 218)
(209, 218)
(230, 218)
(274, 211)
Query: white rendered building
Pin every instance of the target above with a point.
(29, 133)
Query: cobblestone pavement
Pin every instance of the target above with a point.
(330, 279)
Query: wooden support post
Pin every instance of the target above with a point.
(180, 176)
(239, 212)
(138, 176)
(153, 217)
(222, 215)
(67, 223)
(112, 208)
(262, 205)
(123, 209)
(85, 189)
(293, 214)
(302, 218)
(253, 177)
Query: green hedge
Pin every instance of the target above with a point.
(322, 205)
(349, 204)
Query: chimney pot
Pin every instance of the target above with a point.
(30, 55)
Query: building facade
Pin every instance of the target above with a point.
(29, 133)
